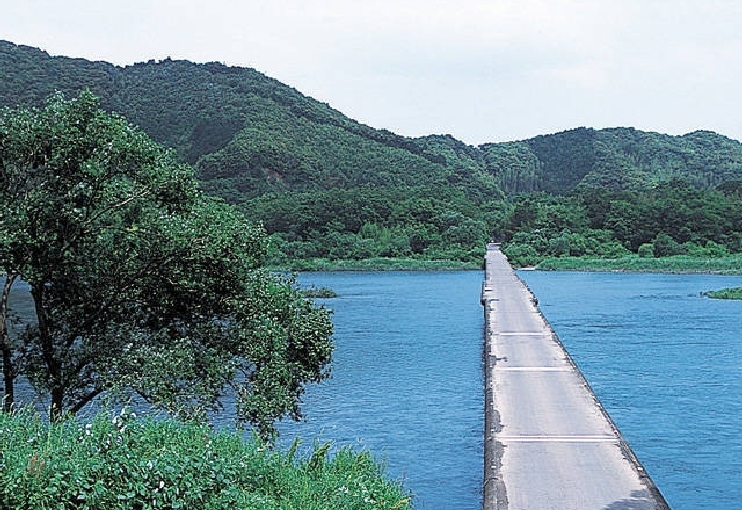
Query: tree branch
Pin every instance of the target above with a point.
(85, 400)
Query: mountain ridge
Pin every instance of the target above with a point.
(248, 134)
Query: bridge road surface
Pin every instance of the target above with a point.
(549, 444)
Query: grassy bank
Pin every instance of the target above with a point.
(676, 264)
(379, 264)
(126, 463)
(728, 293)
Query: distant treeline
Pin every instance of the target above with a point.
(363, 222)
(673, 218)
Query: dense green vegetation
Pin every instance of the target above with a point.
(728, 293)
(671, 219)
(246, 133)
(331, 191)
(123, 462)
(369, 222)
(614, 159)
(140, 283)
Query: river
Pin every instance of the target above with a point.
(664, 361)
(407, 380)
(407, 376)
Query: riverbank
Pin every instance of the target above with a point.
(377, 264)
(681, 264)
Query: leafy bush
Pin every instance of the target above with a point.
(122, 462)
(711, 249)
(521, 255)
(666, 246)
(319, 292)
(646, 250)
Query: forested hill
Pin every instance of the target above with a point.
(616, 159)
(249, 134)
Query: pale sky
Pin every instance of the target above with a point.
(480, 70)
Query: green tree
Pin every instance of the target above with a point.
(646, 250)
(140, 284)
(665, 246)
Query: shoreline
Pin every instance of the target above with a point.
(683, 264)
(648, 271)
(678, 264)
(376, 264)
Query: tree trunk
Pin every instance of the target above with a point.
(8, 375)
(53, 365)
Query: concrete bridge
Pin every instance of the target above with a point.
(549, 444)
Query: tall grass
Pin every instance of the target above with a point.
(123, 462)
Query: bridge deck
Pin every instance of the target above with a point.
(549, 443)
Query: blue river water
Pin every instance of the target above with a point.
(406, 380)
(667, 365)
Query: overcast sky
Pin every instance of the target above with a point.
(481, 70)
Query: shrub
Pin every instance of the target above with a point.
(521, 255)
(727, 293)
(646, 251)
(122, 462)
(666, 246)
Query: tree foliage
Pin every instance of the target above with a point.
(674, 218)
(246, 133)
(140, 283)
(614, 159)
(366, 222)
